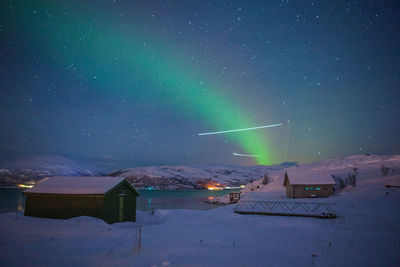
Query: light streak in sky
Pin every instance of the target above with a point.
(243, 129)
(245, 155)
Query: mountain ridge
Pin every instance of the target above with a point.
(30, 170)
(178, 177)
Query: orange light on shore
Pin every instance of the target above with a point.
(24, 185)
(215, 188)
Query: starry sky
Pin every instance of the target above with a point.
(132, 83)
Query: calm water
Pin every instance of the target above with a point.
(12, 199)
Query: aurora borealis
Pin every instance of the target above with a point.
(126, 83)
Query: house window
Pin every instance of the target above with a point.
(315, 188)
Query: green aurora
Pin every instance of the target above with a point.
(103, 54)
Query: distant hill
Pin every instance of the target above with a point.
(32, 169)
(195, 177)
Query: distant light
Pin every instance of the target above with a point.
(24, 185)
(213, 188)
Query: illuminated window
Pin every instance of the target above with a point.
(315, 188)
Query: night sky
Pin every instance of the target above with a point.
(132, 83)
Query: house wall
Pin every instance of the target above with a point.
(112, 202)
(105, 207)
(63, 206)
(301, 192)
(289, 191)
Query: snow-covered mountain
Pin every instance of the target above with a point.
(196, 177)
(32, 169)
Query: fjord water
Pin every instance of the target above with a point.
(12, 199)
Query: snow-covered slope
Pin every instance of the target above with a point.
(35, 168)
(184, 177)
(366, 169)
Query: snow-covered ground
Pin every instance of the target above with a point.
(367, 232)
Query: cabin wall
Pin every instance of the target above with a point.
(111, 211)
(63, 206)
(289, 191)
(300, 191)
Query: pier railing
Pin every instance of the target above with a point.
(287, 208)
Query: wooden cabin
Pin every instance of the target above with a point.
(304, 184)
(112, 199)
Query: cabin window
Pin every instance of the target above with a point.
(315, 188)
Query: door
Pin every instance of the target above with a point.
(121, 209)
